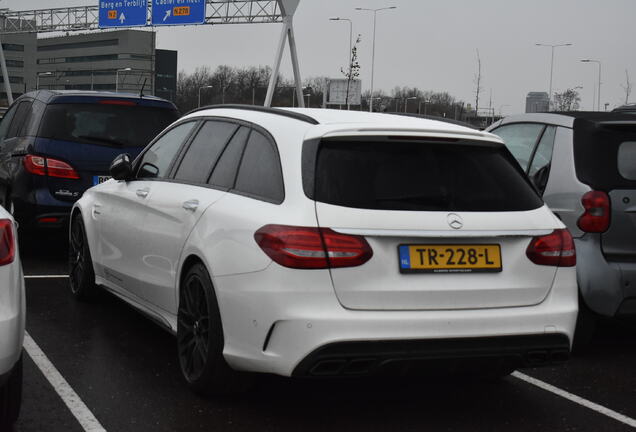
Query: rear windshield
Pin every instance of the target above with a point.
(109, 125)
(604, 153)
(419, 176)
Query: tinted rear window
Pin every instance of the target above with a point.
(421, 177)
(110, 125)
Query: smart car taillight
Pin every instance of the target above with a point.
(554, 249)
(596, 218)
(312, 248)
(43, 166)
(7, 242)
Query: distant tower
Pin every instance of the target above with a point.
(537, 102)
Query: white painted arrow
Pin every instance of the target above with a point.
(168, 13)
(122, 18)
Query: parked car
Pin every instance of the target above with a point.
(627, 108)
(584, 165)
(56, 144)
(12, 316)
(314, 243)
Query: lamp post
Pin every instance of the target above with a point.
(598, 94)
(419, 109)
(117, 77)
(406, 102)
(349, 55)
(375, 15)
(37, 78)
(552, 47)
(201, 88)
(308, 96)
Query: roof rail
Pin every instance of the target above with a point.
(276, 111)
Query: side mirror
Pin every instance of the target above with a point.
(121, 167)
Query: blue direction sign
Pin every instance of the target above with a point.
(123, 13)
(178, 12)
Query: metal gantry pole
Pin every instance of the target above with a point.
(5, 75)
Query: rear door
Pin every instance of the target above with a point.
(174, 207)
(448, 223)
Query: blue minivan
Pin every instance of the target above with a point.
(56, 144)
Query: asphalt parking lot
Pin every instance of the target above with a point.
(102, 366)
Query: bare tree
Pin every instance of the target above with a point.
(477, 81)
(627, 87)
(353, 71)
(567, 100)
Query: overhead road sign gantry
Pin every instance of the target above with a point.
(123, 13)
(178, 12)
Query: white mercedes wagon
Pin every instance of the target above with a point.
(323, 243)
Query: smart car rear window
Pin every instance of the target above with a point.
(421, 176)
(111, 125)
(627, 160)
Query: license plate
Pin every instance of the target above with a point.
(436, 258)
(100, 179)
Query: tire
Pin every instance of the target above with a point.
(11, 398)
(586, 323)
(200, 338)
(81, 272)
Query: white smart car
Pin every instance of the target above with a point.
(329, 243)
(12, 318)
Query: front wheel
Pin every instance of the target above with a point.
(200, 338)
(11, 398)
(80, 272)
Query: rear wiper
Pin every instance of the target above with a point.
(102, 139)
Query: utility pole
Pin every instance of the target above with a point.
(478, 83)
(552, 47)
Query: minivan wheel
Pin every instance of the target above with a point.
(200, 338)
(81, 273)
(11, 398)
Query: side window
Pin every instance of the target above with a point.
(543, 155)
(32, 121)
(224, 174)
(6, 121)
(18, 124)
(521, 139)
(260, 173)
(156, 161)
(204, 151)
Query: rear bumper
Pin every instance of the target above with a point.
(370, 357)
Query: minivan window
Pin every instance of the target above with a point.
(6, 121)
(156, 161)
(627, 160)
(260, 173)
(204, 151)
(224, 174)
(111, 125)
(17, 125)
(520, 138)
(421, 176)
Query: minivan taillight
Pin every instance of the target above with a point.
(596, 218)
(312, 248)
(7, 243)
(554, 249)
(43, 166)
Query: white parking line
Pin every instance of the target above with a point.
(79, 410)
(577, 399)
(46, 276)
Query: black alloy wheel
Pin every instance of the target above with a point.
(81, 273)
(200, 338)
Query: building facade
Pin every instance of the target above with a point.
(537, 102)
(120, 60)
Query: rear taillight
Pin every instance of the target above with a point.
(312, 248)
(596, 218)
(42, 166)
(555, 249)
(7, 243)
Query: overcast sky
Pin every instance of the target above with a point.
(432, 44)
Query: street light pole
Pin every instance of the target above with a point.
(117, 77)
(375, 15)
(201, 88)
(37, 78)
(598, 94)
(552, 47)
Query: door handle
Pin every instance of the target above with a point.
(143, 193)
(96, 208)
(191, 205)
